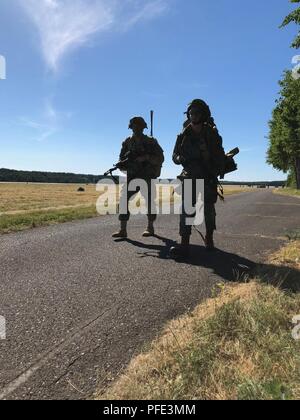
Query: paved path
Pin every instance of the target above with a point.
(78, 306)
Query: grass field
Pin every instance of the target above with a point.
(237, 346)
(288, 191)
(24, 206)
(29, 197)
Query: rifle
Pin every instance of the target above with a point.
(117, 166)
(129, 157)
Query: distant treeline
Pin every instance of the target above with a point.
(257, 184)
(11, 175)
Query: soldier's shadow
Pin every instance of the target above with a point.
(155, 251)
(230, 267)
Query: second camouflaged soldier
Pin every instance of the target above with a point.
(199, 150)
(144, 158)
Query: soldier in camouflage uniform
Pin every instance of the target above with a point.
(145, 159)
(199, 150)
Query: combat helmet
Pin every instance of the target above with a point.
(138, 121)
(201, 106)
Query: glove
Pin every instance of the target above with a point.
(180, 160)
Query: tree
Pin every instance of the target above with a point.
(284, 148)
(295, 18)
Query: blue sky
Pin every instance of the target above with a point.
(78, 70)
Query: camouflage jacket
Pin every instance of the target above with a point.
(201, 155)
(134, 148)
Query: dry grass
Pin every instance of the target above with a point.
(288, 191)
(232, 189)
(29, 197)
(288, 256)
(238, 345)
(23, 206)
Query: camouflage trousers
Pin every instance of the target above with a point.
(210, 199)
(149, 197)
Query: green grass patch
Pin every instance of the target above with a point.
(18, 222)
(288, 191)
(258, 331)
(237, 347)
(294, 235)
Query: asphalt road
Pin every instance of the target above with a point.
(79, 305)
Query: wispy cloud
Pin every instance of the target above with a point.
(135, 11)
(47, 124)
(65, 25)
(40, 131)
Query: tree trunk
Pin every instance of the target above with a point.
(298, 172)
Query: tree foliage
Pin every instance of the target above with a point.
(284, 148)
(10, 175)
(294, 17)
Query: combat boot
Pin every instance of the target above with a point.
(209, 242)
(182, 250)
(122, 234)
(149, 231)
